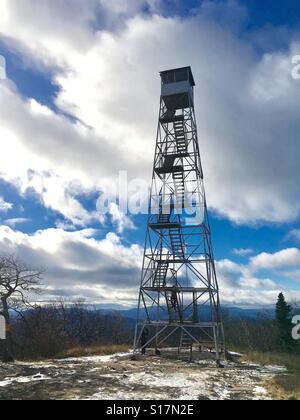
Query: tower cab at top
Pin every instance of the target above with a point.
(177, 88)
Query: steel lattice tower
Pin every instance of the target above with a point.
(179, 303)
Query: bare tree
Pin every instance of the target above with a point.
(17, 282)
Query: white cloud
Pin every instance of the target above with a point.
(58, 194)
(16, 221)
(293, 275)
(119, 219)
(243, 284)
(103, 271)
(109, 81)
(105, 58)
(229, 273)
(4, 206)
(2, 67)
(106, 271)
(59, 160)
(242, 252)
(285, 258)
(63, 225)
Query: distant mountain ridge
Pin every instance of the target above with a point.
(231, 312)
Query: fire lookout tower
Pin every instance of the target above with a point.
(179, 303)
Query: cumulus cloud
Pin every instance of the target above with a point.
(104, 58)
(284, 258)
(108, 81)
(242, 252)
(2, 68)
(44, 152)
(244, 284)
(119, 219)
(78, 265)
(293, 275)
(99, 270)
(4, 206)
(16, 221)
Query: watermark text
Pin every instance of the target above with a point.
(2, 68)
(296, 329)
(2, 328)
(170, 196)
(296, 68)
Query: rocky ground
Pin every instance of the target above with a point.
(118, 377)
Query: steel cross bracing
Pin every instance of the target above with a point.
(179, 296)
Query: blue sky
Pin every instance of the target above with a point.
(80, 104)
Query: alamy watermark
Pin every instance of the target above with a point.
(2, 328)
(296, 329)
(2, 68)
(296, 68)
(169, 196)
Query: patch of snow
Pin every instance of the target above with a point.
(5, 383)
(253, 365)
(233, 353)
(24, 379)
(125, 396)
(119, 378)
(96, 359)
(172, 380)
(259, 390)
(276, 369)
(36, 365)
(185, 386)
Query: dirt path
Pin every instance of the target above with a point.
(118, 377)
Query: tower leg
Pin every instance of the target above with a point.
(135, 343)
(216, 340)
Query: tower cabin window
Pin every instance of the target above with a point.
(178, 75)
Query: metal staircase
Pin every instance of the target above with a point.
(181, 143)
(173, 305)
(186, 343)
(163, 219)
(160, 275)
(179, 186)
(177, 244)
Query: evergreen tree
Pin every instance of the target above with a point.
(283, 324)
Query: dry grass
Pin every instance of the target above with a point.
(285, 386)
(93, 351)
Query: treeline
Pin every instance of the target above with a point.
(264, 334)
(53, 330)
(252, 335)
